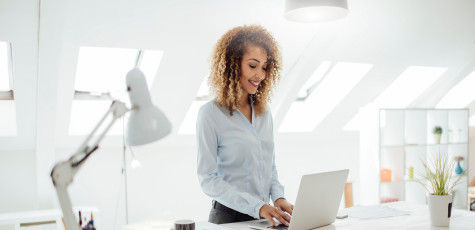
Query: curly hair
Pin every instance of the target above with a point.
(226, 67)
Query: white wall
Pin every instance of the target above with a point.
(17, 180)
(297, 155)
(471, 160)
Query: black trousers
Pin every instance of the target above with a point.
(221, 214)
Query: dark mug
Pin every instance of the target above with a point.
(184, 225)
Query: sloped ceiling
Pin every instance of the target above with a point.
(391, 35)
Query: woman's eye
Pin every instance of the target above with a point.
(252, 66)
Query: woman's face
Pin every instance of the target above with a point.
(253, 68)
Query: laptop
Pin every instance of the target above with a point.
(317, 202)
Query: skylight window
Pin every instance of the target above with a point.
(304, 116)
(8, 125)
(203, 91)
(188, 126)
(354, 123)
(5, 66)
(409, 86)
(313, 81)
(402, 92)
(103, 69)
(461, 95)
(100, 77)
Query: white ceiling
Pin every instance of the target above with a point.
(391, 35)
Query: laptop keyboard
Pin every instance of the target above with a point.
(280, 226)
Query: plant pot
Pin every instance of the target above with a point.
(437, 138)
(440, 208)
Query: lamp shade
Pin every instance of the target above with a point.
(315, 10)
(146, 123)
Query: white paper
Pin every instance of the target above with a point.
(203, 225)
(462, 222)
(374, 212)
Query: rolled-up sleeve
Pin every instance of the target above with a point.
(212, 184)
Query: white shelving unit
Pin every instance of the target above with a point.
(406, 140)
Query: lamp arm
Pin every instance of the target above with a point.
(63, 172)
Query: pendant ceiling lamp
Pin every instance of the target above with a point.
(315, 10)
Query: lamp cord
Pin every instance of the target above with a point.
(122, 180)
(119, 195)
(124, 172)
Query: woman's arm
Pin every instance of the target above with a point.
(277, 192)
(277, 189)
(212, 184)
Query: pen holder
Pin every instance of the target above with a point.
(184, 225)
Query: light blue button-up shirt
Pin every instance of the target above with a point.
(236, 162)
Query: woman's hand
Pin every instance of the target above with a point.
(283, 205)
(270, 212)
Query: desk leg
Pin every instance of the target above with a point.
(60, 224)
(348, 195)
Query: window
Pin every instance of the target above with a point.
(5, 66)
(188, 126)
(402, 92)
(461, 95)
(8, 125)
(100, 77)
(203, 91)
(103, 70)
(313, 81)
(6, 89)
(409, 86)
(304, 115)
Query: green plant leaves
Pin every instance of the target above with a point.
(438, 174)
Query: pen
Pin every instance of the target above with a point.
(80, 219)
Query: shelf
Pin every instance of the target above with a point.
(454, 176)
(399, 181)
(391, 182)
(407, 141)
(422, 145)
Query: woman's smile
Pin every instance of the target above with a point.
(255, 83)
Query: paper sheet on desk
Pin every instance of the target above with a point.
(462, 222)
(374, 212)
(203, 225)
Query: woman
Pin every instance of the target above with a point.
(236, 163)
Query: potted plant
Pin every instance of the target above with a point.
(437, 131)
(438, 181)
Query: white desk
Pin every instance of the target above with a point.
(419, 219)
(39, 217)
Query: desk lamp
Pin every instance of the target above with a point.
(145, 125)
